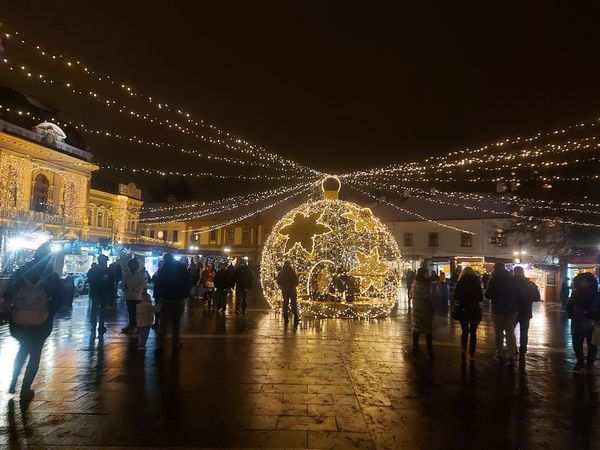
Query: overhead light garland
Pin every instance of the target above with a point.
(213, 208)
(229, 141)
(409, 212)
(224, 224)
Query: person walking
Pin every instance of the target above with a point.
(503, 294)
(34, 293)
(172, 287)
(422, 311)
(527, 294)
(101, 281)
(144, 319)
(223, 283)
(287, 279)
(134, 284)
(583, 309)
(467, 310)
(244, 278)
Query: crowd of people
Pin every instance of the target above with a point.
(512, 296)
(35, 294)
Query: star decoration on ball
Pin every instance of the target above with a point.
(303, 230)
(371, 270)
(362, 218)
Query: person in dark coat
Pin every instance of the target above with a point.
(117, 272)
(244, 278)
(410, 279)
(583, 309)
(527, 294)
(422, 311)
(31, 338)
(172, 287)
(102, 285)
(287, 279)
(467, 309)
(223, 283)
(565, 290)
(503, 294)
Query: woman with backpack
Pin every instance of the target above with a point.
(467, 297)
(134, 285)
(34, 293)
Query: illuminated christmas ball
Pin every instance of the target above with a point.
(347, 261)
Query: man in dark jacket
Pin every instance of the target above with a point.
(287, 281)
(244, 278)
(503, 294)
(223, 282)
(527, 294)
(102, 284)
(172, 286)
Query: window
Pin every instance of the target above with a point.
(39, 199)
(152, 234)
(245, 235)
(408, 239)
(434, 239)
(100, 219)
(175, 236)
(212, 236)
(499, 239)
(110, 220)
(230, 235)
(466, 240)
(164, 234)
(142, 232)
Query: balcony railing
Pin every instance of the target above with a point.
(17, 215)
(42, 140)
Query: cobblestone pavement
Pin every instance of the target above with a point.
(248, 382)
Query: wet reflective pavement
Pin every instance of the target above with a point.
(248, 382)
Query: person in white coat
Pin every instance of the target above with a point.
(134, 284)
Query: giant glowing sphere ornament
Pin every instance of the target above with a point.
(347, 261)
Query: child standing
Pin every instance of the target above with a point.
(145, 318)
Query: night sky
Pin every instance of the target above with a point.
(335, 85)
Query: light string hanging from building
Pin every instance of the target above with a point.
(222, 205)
(209, 228)
(167, 172)
(236, 144)
(407, 211)
(126, 89)
(137, 140)
(464, 165)
(427, 196)
(511, 200)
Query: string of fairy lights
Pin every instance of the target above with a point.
(443, 200)
(242, 217)
(126, 88)
(494, 162)
(231, 142)
(138, 140)
(228, 204)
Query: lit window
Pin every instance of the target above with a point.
(466, 240)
